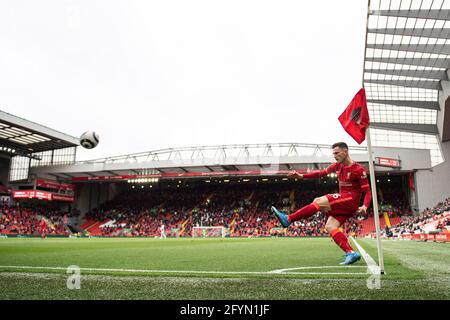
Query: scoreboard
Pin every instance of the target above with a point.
(387, 162)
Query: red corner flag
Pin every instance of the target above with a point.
(355, 118)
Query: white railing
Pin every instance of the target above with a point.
(222, 152)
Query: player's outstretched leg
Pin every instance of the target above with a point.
(303, 213)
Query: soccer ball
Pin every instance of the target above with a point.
(89, 139)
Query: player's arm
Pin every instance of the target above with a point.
(313, 174)
(365, 188)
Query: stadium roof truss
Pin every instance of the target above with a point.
(406, 58)
(25, 138)
(204, 160)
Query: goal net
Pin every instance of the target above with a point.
(208, 232)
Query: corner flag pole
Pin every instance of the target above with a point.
(373, 184)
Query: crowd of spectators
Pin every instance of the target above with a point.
(244, 211)
(25, 220)
(416, 223)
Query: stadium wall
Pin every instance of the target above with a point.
(92, 195)
(416, 160)
(433, 185)
(411, 159)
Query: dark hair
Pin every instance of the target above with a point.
(341, 145)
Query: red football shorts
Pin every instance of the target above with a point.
(343, 206)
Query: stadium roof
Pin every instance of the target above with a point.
(22, 137)
(239, 159)
(406, 58)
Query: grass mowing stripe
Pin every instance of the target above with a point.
(404, 281)
(21, 285)
(190, 271)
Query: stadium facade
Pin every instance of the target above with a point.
(406, 76)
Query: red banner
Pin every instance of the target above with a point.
(34, 194)
(442, 237)
(406, 236)
(387, 162)
(59, 197)
(49, 184)
(23, 194)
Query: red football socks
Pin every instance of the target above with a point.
(304, 213)
(341, 240)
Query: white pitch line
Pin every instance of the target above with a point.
(318, 267)
(184, 271)
(321, 273)
(372, 266)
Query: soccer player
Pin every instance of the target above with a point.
(162, 230)
(42, 227)
(339, 207)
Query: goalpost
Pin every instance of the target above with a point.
(209, 232)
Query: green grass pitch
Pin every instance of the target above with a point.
(266, 268)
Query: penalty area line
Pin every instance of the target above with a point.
(280, 272)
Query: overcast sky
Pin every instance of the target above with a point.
(174, 73)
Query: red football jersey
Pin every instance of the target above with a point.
(352, 179)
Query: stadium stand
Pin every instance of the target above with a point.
(25, 221)
(434, 220)
(244, 210)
